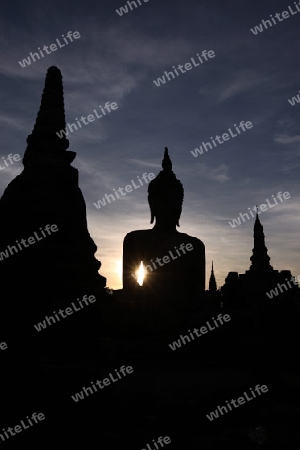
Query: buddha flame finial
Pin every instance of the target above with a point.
(166, 162)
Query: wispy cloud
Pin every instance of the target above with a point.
(244, 82)
(13, 122)
(132, 47)
(142, 163)
(219, 173)
(285, 139)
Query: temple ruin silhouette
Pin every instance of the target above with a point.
(249, 290)
(47, 192)
(134, 325)
(61, 267)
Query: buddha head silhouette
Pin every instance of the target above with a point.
(165, 196)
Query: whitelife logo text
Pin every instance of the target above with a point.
(262, 208)
(225, 136)
(201, 331)
(128, 189)
(241, 401)
(187, 66)
(70, 127)
(53, 48)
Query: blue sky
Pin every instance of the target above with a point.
(116, 59)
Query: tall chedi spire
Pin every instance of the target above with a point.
(44, 144)
(260, 258)
(47, 192)
(212, 287)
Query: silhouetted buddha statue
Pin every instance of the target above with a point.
(174, 262)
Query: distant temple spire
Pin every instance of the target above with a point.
(212, 281)
(260, 260)
(44, 145)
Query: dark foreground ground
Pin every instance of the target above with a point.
(169, 392)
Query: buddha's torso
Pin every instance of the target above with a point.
(179, 271)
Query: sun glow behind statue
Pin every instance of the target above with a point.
(141, 274)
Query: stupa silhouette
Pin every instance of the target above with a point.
(58, 267)
(250, 290)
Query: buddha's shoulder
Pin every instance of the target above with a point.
(187, 239)
(142, 234)
(138, 234)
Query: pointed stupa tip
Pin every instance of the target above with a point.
(47, 135)
(53, 69)
(166, 162)
(256, 217)
(54, 75)
(51, 115)
(257, 223)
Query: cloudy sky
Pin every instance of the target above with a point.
(116, 59)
